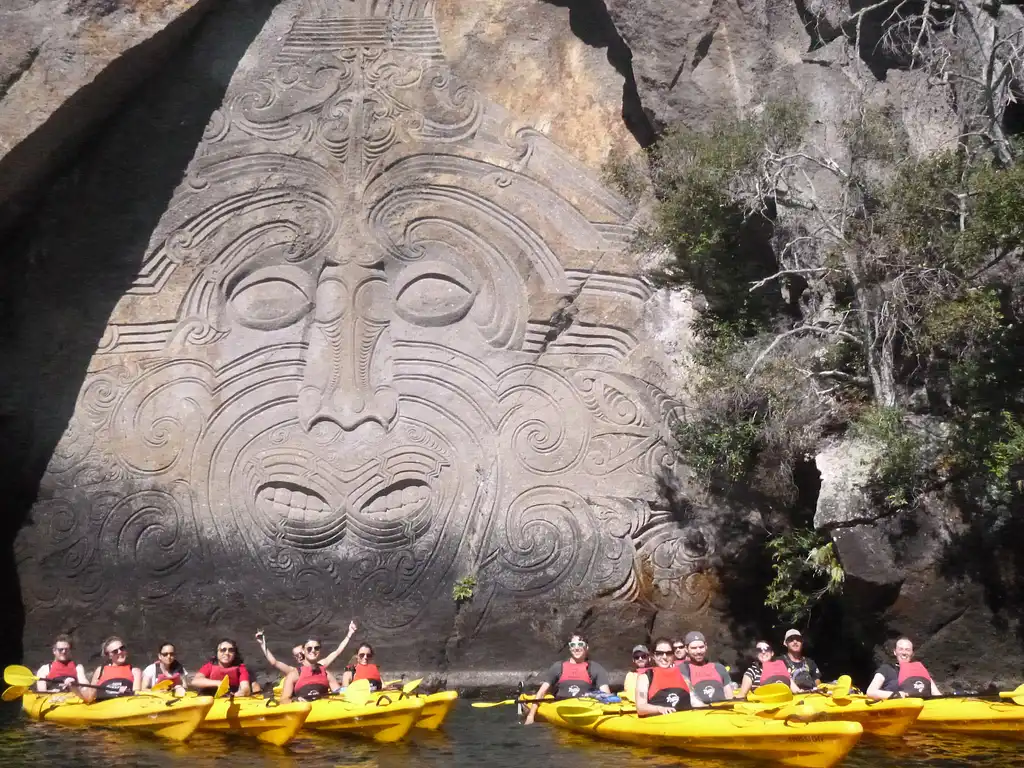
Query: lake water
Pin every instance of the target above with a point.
(490, 738)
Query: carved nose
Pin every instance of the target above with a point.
(347, 409)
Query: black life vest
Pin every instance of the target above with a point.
(312, 683)
(774, 671)
(914, 679)
(705, 681)
(666, 687)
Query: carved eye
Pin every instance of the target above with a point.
(271, 299)
(434, 294)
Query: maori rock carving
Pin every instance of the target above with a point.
(346, 371)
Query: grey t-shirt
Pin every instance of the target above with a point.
(598, 676)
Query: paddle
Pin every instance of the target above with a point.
(14, 693)
(841, 690)
(506, 702)
(22, 680)
(1016, 695)
(411, 686)
(772, 693)
(222, 687)
(358, 693)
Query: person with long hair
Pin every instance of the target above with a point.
(115, 678)
(363, 667)
(310, 681)
(166, 667)
(227, 662)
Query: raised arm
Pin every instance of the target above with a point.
(333, 655)
(280, 666)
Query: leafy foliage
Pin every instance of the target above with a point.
(463, 589)
(897, 473)
(806, 570)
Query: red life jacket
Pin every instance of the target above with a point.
(233, 674)
(176, 677)
(667, 688)
(60, 671)
(368, 672)
(914, 679)
(574, 681)
(115, 681)
(312, 683)
(774, 671)
(705, 681)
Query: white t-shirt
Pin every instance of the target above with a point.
(44, 670)
(150, 673)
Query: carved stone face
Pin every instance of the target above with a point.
(381, 340)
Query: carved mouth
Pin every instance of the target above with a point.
(394, 516)
(299, 516)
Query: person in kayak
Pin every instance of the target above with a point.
(679, 651)
(766, 669)
(61, 674)
(362, 667)
(166, 667)
(310, 681)
(907, 678)
(641, 660)
(662, 689)
(804, 672)
(115, 678)
(708, 681)
(227, 662)
(572, 678)
(298, 653)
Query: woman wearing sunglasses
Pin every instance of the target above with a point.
(299, 655)
(311, 680)
(662, 689)
(572, 678)
(765, 670)
(227, 663)
(166, 667)
(115, 678)
(362, 667)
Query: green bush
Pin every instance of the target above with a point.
(898, 475)
(806, 571)
(463, 589)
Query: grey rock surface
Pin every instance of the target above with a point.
(64, 66)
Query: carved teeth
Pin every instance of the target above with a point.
(399, 502)
(277, 501)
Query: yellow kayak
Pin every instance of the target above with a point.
(436, 706)
(892, 717)
(166, 717)
(265, 719)
(378, 719)
(1000, 719)
(718, 732)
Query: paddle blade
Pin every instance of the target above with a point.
(489, 704)
(1017, 694)
(14, 693)
(165, 685)
(222, 688)
(773, 693)
(18, 675)
(359, 692)
(411, 686)
(842, 687)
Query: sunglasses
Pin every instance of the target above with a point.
(577, 645)
(116, 651)
(312, 648)
(61, 650)
(640, 656)
(663, 652)
(167, 653)
(678, 647)
(226, 649)
(364, 655)
(763, 649)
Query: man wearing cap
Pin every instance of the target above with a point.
(641, 660)
(708, 681)
(803, 671)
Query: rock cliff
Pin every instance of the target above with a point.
(334, 312)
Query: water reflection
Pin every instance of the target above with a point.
(488, 738)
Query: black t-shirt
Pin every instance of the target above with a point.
(598, 675)
(804, 665)
(890, 678)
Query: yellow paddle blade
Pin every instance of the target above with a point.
(773, 693)
(18, 675)
(411, 686)
(1017, 694)
(841, 690)
(359, 692)
(389, 683)
(163, 685)
(222, 688)
(14, 693)
(489, 704)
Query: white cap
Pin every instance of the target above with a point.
(793, 633)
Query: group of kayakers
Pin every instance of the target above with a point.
(679, 675)
(307, 679)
